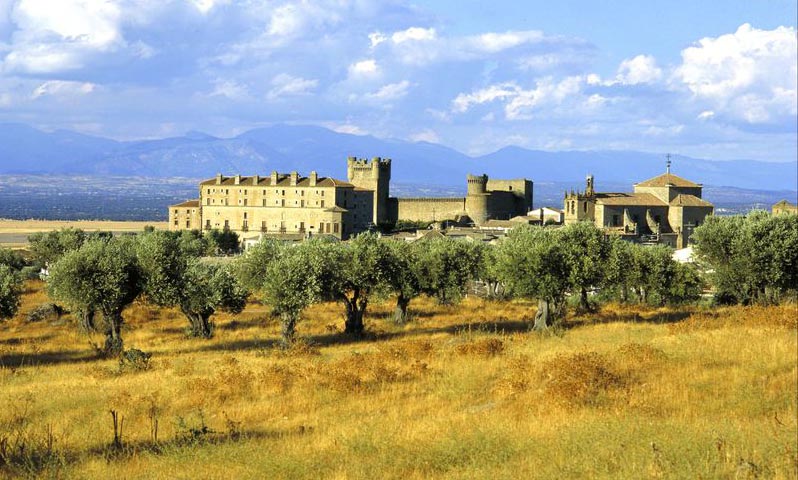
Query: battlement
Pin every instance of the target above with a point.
(365, 163)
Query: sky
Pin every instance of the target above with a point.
(706, 79)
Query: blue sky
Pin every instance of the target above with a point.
(705, 79)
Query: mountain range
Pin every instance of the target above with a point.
(26, 150)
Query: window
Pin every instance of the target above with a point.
(322, 204)
(208, 202)
(245, 202)
(245, 215)
(227, 224)
(208, 224)
(335, 228)
(176, 223)
(282, 202)
(263, 226)
(584, 207)
(188, 223)
(301, 226)
(616, 220)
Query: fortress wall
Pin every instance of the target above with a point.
(520, 188)
(429, 209)
(502, 205)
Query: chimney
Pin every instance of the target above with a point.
(294, 176)
(255, 179)
(218, 179)
(274, 177)
(237, 180)
(314, 177)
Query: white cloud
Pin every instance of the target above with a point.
(427, 135)
(364, 68)
(376, 38)
(287, 86)
(638, 70)
(390, 92)
(519, 102)
(57, 36)
(495, 42)
(749, 74)
(416, 34)
(705, 115)
(62, 88)
(229, 89)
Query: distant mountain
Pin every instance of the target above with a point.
(25, 150)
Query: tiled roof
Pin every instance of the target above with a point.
(187, 204)
(499, 224)
(637, 199)
(283, 181)
(689, 201)
(667, 179)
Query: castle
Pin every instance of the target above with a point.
(664, 209)
(292, 204)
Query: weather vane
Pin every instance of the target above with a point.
(668, 163)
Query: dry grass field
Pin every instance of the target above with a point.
(14, 233)
(461, 392)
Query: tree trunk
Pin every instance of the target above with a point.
(288, 327)
(113, 334)
(355, 308)
(199, 323)
(86, 321)
(624, 293)
(584, 304)
(542, 316)
(400, 314)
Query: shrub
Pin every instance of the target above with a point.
(579, 380)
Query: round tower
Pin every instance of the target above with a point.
(477, 199)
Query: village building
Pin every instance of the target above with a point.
(664, 209)
(290, 204)
(784, 208)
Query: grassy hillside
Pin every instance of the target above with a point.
(461, 392)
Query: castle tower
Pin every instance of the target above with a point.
(477, 198)
(374, 175)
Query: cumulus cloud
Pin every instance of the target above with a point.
(364, 68)
(749, 75)
(637, 70)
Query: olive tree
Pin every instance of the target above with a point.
(587, 251)
(619, 270)
(10, 291)
(531, 263)
(48, 247)
(405, 276)
(753, 259)
(353, 272)
(11, 258)
(292, 282)
(102, 275)
(172, 277)
(447, 266)
(250, 269)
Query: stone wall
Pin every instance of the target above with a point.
(428, 209)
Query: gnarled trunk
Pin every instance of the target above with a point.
(288, 327)
(584, 304)
(86, 321)
(542, 316)
(355, 308)
(400, 315)
(113, 334)
(199, 324)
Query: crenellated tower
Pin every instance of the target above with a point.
(374, 175)
(476, 201)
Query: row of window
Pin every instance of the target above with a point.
(324, 227)
(277, 191)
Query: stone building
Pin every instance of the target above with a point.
(292, 204)
(664, 209)
(784, 208)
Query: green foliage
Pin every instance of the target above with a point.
(10, 291)
(251, 268)
(223, 241)
(753, 259)
(587, 250)
(11, 258)
(447, 266)
(172, 276)
(405, 275)
(532, 263)
(293, 282)
(48, 247)
(102, 275)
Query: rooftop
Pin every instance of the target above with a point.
(667, 179)
(689, 201)
(641, 199)
(283, 181)
(187, 204)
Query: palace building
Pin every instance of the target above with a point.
(293, 204)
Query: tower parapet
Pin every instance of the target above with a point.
(375, 175)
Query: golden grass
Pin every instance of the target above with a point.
(462, 392)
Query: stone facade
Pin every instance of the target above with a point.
(784, 208)
(664, 209)
(292, 204)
